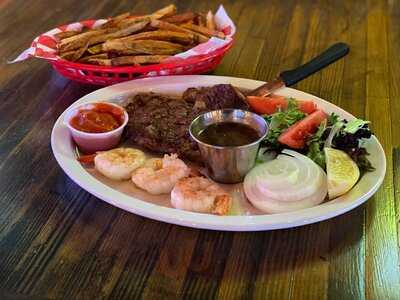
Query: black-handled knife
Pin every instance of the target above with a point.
(290, 77)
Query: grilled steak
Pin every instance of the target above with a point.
(216, 97)
(161, 123)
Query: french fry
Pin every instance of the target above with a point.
(163, 35)
(99, 36)
(78, 53)
(85, 29)
(135, 27)
(65, 34)
(95, 49)
(164, 12)
(121, 16)
(73, 55)
(166, 26)
(210, 24)
(130, 21)
(138, 60)
(180, 18)
(129, 40)
(172, 27)
(79, 40)
(134, 19)
(152, 47)
(97, 56)
(204, 30)
(68, 55)
(115, 20)
(75, 41)
(200, 20)
(99, 61)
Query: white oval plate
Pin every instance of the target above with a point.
(63, 149)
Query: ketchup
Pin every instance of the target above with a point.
(101, 118)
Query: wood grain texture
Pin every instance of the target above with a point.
(381, 237)
(59, 242)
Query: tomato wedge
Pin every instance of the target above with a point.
(296, 135)
(269, 105)
(307, 106)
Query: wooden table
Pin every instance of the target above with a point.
(58, 241)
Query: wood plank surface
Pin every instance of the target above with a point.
(59, 242)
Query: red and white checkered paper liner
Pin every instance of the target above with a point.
(45, 45)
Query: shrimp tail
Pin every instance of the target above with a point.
(221, 205)
(87, 159)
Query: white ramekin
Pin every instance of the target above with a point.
(92, 142)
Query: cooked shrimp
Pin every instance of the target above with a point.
(158, 176)
(119, 163)
(200, 194)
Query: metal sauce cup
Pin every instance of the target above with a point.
(228, 164)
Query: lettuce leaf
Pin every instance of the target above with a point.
(316, 145)
(280, 121)
(354, 125)
(349, 139)
(347, 136)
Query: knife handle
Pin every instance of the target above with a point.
(327, 57)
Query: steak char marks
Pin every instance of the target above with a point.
(161, 123)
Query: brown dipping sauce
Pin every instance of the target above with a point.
(101, 118)
(228, 134)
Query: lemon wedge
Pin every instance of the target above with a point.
(342, 172)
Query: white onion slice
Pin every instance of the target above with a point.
(290, 182)
(301, 182)
(274, 206)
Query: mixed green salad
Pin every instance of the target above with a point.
(344, 135)
(301, 126)
(308, 156)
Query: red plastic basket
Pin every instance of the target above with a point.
(104, 75)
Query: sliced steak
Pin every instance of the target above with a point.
(217, 97)
(161, 123)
